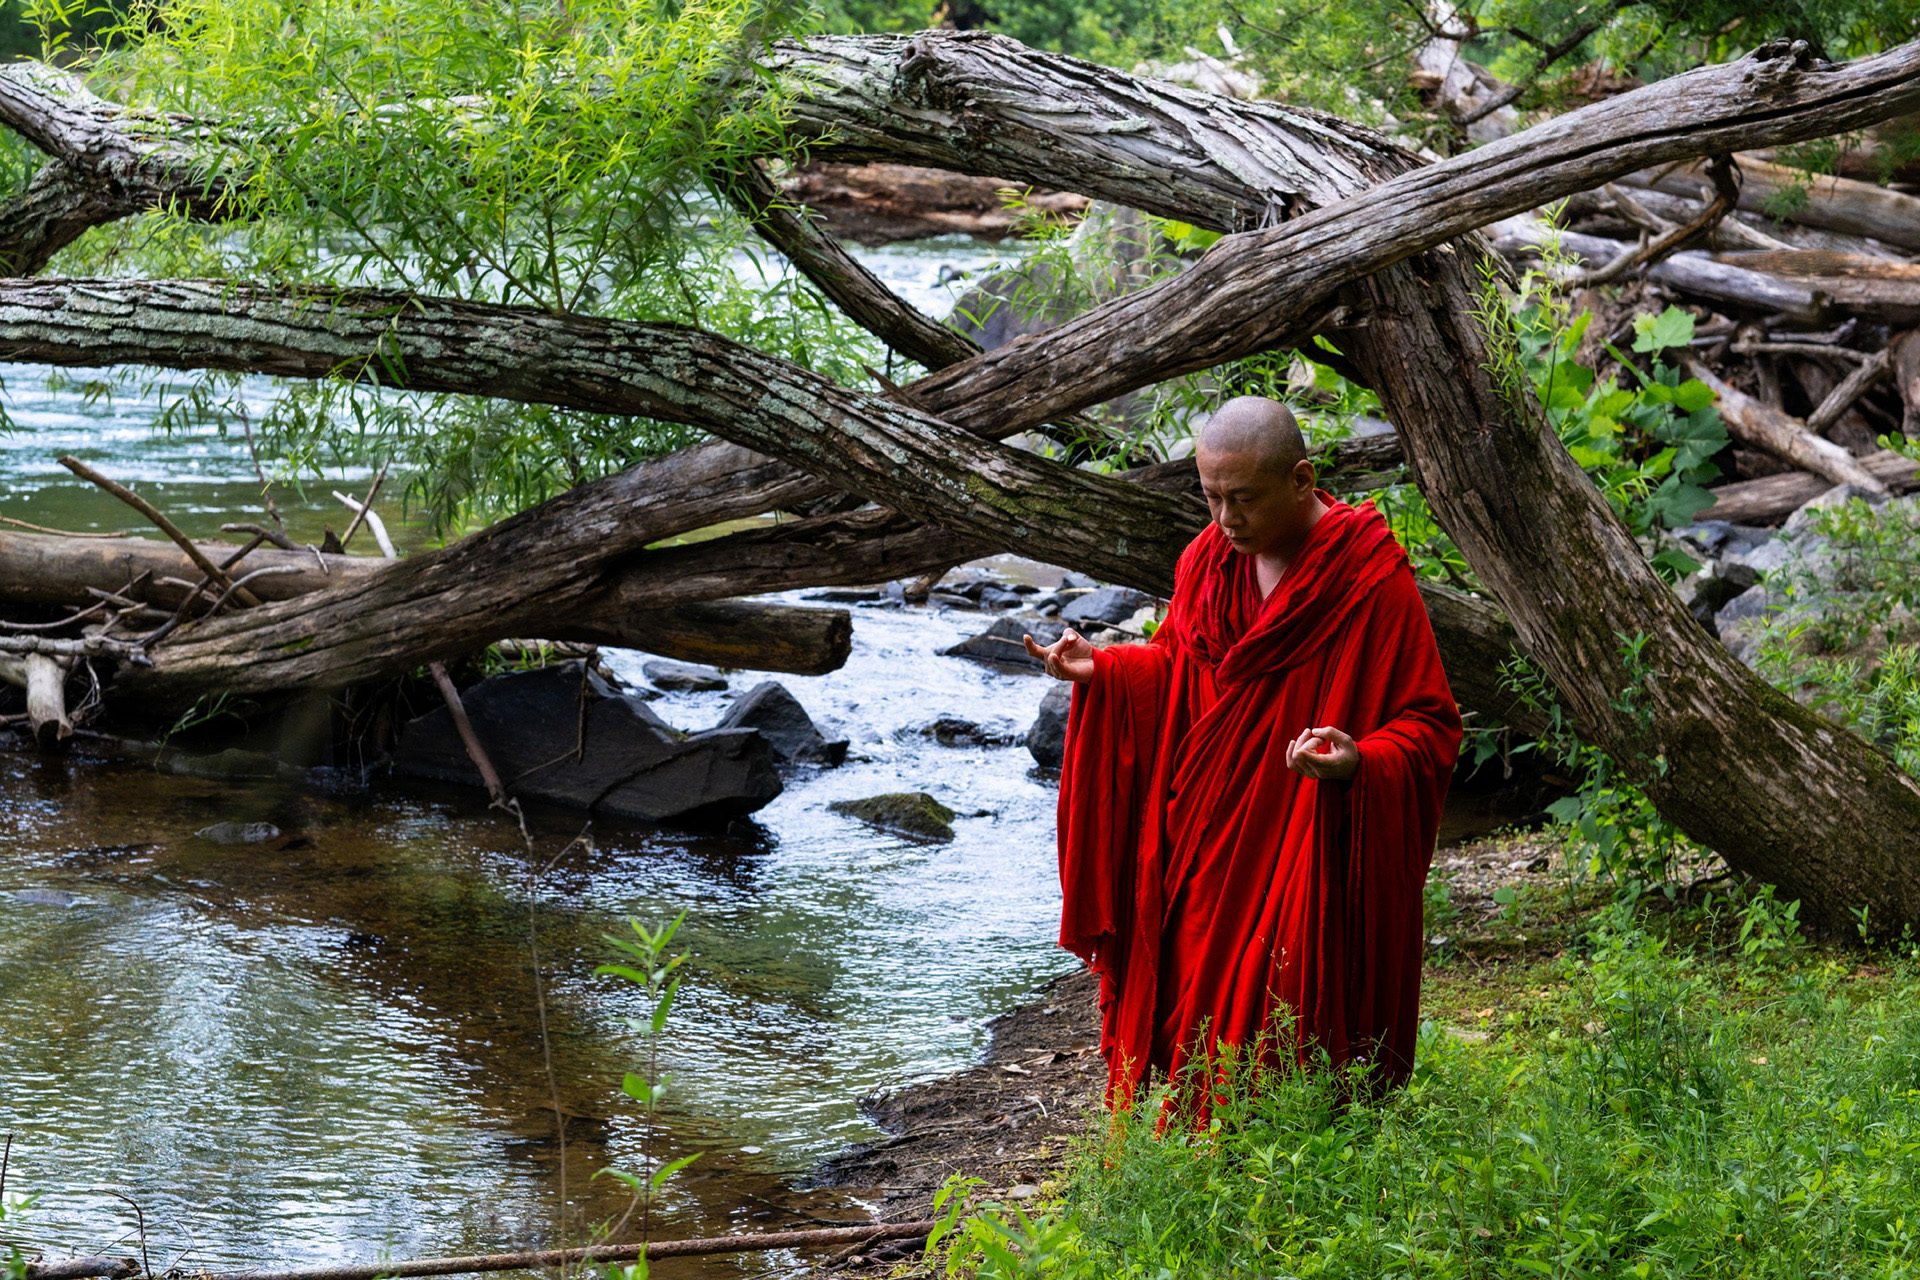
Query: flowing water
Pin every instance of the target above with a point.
(327, 1046)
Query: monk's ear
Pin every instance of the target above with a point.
(1304, 476)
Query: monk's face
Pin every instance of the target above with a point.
(1260, 511)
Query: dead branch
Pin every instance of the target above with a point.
(1771, 499)
(1667, 242)
(1850, 389)
(363, 510)
(1780, 434)
(853, 288)
(535, 1259)
(86, 1268)
(160, 522)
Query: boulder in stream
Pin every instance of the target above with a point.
(567, 736)
(1000, 643)
(785, 724)
(1109, 605)
(914, 814)
(682, 677)
(958, 731)
(1047, 738)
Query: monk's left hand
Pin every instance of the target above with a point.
(1325, 752)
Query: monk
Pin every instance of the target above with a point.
(1249, 801)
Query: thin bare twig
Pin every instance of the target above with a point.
(266, 487)
(160, 521)
(40, 528)
(1651, 251)
(360, 512)
(1850, 389)
(1549, 54)
(276, 537)
(140, 1215)
(468, 738)
(599, 1253)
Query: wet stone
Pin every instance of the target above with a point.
(1047, 738)
(770, 708)
(1001, 598)
(914, 814)
(1000, 643)
(957, 731)
(1110, 605)
(239, 832)
(682, 677)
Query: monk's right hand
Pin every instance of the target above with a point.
(1068, 658)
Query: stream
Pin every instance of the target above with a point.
(327, 1047)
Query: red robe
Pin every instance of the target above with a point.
(1206, 881)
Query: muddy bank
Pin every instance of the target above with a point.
(1009, 1119)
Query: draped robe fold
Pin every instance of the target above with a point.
(1205, 881)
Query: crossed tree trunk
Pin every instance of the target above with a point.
(1339, 231)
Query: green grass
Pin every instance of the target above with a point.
(1633, 1095)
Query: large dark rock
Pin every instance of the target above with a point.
(1047, 739)
(1108, 605)
(1000, 643)
(633, 765)
(784, 723)
(907, 813)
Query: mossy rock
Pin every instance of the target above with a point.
(909, 813)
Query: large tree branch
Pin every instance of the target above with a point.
(109, 162)
(890, 452)
(836, 273)
(986, 104)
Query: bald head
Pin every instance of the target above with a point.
(1258, 481)
(1254, 426)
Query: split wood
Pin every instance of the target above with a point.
(591, 1253)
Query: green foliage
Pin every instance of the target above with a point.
(563, 158)
(13, 1207)
(1615, 834)
(1641, 1118)
(651, 969)
(1648, 445)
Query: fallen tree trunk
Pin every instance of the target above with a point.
(44, 677)
(45, 570)
(514, 581)
(1771, 499)
(1780, 434)
(874, 204)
